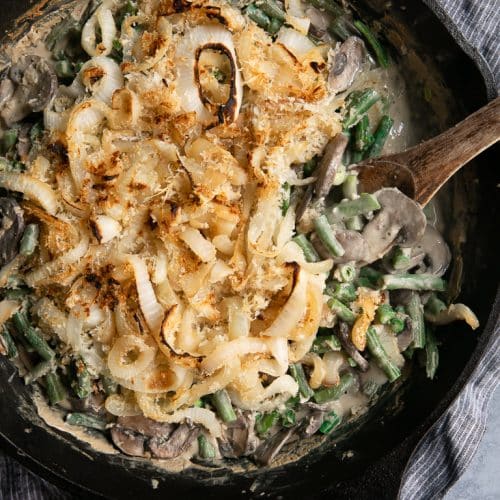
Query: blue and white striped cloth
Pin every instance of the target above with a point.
(450, 446)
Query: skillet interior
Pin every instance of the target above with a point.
(380, 448)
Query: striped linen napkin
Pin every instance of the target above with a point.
(449, 447)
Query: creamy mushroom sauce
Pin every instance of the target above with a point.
(331, 361)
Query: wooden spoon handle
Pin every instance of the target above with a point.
(433, 162)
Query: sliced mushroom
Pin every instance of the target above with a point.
(175, 444)
(7, 89)
(146, 426)
(345, 340)
(268, 450)
(11, 229)
(304, 203)
(128, 441)
(405, 338)
(330, 162)
(346, 64)
(437, 253)
(239, 437)
(355, 246)
(311, 423)
(400, 221)
(36, 84)
(23, 142)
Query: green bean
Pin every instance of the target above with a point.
(109, 385)
(275, 26)
(222, 403)
(309, 251)
(371, 39)
(199, 403)
(309, 167)
(36, 132)
(345, 273)
(363, 137)
(285, 202)
(357, 104)
(9, 139)
(258, 16)
(64, 69)
(82, 385)
(372, 274)
(416, 312)
(342, 28)
(30, 334)
(327, 236)
(350, 187)
(397, 324)
(401, 258)
(29, 241)
(378, 352)
(205, 448)
(55, 389)
(86, 420)
(342, 311)
(434, 305)
(354, 223)
(363, 281)
(385, 313)
(293, 402)
(272, 9)
(345, 292)
(407, 281)
(39, 371)
(352, 363)
(370, 388)
(297, 372)
(431, 354)
(10, 345)
(347, 209)
(263, 423)
(332, 421)
(288, 418)
(326, 394)
(357, 157)
(329, 6)
(380, 137)
(325, 343)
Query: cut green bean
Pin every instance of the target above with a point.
(363, 139)
(329, 6)
(378, 352)
(86, 420)
(109, 385)
(373, 42)
(357, 104)
(370, 388)
(223, 405)
(325, 343)
(434, 305)
(82, 385)
(31, 335)
(345, 273)
(288, 418)
(326, 394)
(9, 139)
(431, 354)
(355, 223)
(29, 241)
(372, 274)
(309, 251)
(350, 187)
(274, 26)
(297, 372)
(205, 448)
(342, 311)
(258, 16)
(263, 423)
(397, 324)
(9, 344)
(415, 310)
(385, 313)
(39, 371)
(36, 132)
(327, 236)
(56, 391)
(380, 137)
(345, 292)
(272, 9)
(332, 421)
(347, 209)
(401, 258)
(285, 202)
(342, 28)
(407, 281)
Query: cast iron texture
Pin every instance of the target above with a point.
(381, 448)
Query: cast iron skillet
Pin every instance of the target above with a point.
(382, 447)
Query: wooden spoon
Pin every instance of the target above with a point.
(421, 171)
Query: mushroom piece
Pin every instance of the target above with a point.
(346, 64)
(312, 423)
(268, 450)
(345, 340)
(146, 426)
(128, 441)
(175, 444)
(405, 338)
(7, 89)
(437, 253)
(330, 162)
(400, 221)
(11, 229)
(239, 437)
(355, 246)
(35, 85)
